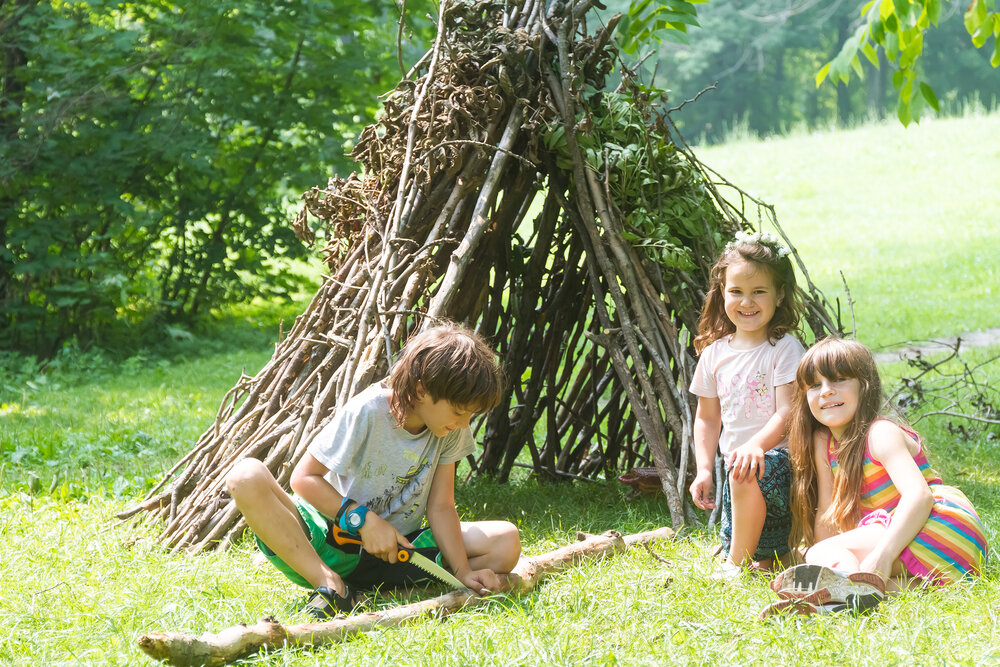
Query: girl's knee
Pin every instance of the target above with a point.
(748, 485)
(820, 554)
(245, 475)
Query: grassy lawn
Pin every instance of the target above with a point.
(909, 215)
(81, 437)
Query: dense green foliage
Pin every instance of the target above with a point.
(763, 56)
(899, 28)
(148, 149)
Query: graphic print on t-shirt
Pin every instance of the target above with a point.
(749, 395)
(410, 483)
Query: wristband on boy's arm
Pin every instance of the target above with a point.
(351, 521)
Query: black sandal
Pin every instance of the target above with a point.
(325, 603)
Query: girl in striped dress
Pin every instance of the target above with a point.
(864, 498)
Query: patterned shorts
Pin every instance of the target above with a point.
(775, 485)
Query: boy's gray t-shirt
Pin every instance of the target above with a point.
(382, 465)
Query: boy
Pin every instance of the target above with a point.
(384, 461)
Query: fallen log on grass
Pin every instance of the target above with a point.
(242, 640)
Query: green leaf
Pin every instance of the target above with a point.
(982, 33)
(906, 92)
(903, 112)
(821, 74)
(928, 94)
(902, 8)
(856, 66)
(933, 10)
(878, 32)
(870, 53)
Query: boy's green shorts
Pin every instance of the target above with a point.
(355, 566)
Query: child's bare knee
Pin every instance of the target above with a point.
(746, 484)
(246, 474)
(508, 547)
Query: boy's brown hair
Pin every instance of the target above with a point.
(450, 363)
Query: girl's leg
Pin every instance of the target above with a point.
(273, 517)
(494, 545)
(846, 551)
(749, 511)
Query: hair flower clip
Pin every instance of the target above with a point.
(765, 239)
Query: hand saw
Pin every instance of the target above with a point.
(405, 555)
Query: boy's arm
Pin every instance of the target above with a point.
(748, 458)
(447, 530)
(379, 537)
(707, 428)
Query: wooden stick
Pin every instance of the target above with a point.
(243, 640)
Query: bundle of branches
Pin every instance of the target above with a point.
(507, 186)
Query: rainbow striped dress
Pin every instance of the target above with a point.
(950, 546)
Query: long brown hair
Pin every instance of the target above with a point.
(715, 324)
(450, 363)
(832, 358)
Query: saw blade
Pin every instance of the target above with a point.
(435, 570)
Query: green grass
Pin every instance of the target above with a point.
(83, 435)
(87, 421)
(909, 215)
(81, 590)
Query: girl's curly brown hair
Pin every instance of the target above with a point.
(715, 324)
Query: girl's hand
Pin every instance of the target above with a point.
(744, 461)
(701, 490)
(381, 539)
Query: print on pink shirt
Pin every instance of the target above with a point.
(753, 393)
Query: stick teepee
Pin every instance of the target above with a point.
(511, 187)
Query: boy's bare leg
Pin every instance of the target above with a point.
(272, 516)
(493, 545)
(749, 511)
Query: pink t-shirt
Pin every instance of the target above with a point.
(744, 382)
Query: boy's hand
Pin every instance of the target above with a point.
(381, 539)
(701, 490)
(482, 582)
(745, 460)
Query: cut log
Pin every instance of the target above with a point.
(242, 640)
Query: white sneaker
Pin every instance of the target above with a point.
(819, 585)
(726, 572)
